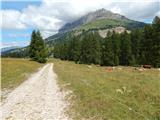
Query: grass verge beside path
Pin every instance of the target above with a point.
(121, 94)
(15, 71)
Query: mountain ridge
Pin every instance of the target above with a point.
(4, 49)
(101, 14)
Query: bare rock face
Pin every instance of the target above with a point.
(119, 30)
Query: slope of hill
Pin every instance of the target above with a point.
(96, 21)
(16, 52)
(8, 48)
(110, 23)
(101, 19)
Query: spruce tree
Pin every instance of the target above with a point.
(71, 48)
(126, 57)
(90, 49)
(96, 48)
(86, 50)
(37, 48)
(56, 50)
(76, 49)
(33, 47)
(116, 47)
(107, 51)
(136, 37)
(156, 42)
(64, 51)
(146, 45)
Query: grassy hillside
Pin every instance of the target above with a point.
(15, 71)
(110, 23)
(102, 23)
(101, 94)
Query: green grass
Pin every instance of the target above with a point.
(15, 71)
(96, 97)
(103, 23)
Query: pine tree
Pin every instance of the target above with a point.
(33, 47)
(107, 51)
(96, 48)
(136, 37)
(37, 48)
(116, 47)
(156, 42)
(76, 49)
(86, 50)
(126, 57)
(90, 49)
(71, 47)
(64, 50)
(56, 50)
(147, 44)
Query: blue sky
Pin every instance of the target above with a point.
(19, 17)
(18, 5)
(13, 37)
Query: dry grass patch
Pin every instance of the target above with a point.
(15, 71)
(96, 91)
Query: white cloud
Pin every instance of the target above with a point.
(11, 19)
(158, 13)
(52, 14)
(18, 35)
(140, 10)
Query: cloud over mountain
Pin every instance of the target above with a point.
(49, 16)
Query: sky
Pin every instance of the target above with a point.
(20, 17)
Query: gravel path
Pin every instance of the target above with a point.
(38, 98)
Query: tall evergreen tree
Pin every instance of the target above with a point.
(146, 45)
(56, 50)
(64, 50)
(96, 47)
(37, 48)
(126, 57)
(76, 49)
(107, 51)
(116, 47)
(156, 42)
(33, 47)
(90, 49)
(136, 37)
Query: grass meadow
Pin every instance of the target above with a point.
(15, 71)
(98, 94)
(123, 93)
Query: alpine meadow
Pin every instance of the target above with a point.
(80, 60)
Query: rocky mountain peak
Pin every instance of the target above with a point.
(90, 17)
(102, 11)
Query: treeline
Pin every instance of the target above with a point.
(141, 46)
(16, 53)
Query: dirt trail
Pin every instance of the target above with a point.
(38, 98)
